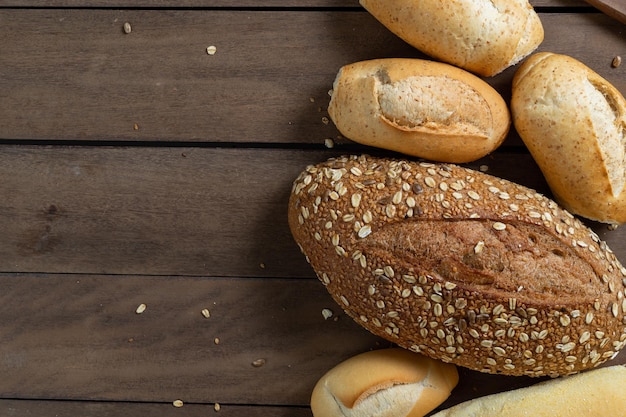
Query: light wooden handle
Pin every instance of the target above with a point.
(614, 8)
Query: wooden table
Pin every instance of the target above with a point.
(154, 167)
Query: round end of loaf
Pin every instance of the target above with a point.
(574, 124)
(420, 108)
(484, 37)
(387, 382)
(460, 266)
(532, 37)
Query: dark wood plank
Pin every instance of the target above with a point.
(170, 211)
(74, 74)
(229, 3)
(31, 408)
(78, 337)
(148, 211)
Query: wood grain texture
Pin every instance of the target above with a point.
(78, 337)
(148, 211)
(170, 211)
(229, 3)
(158, 83)
(33, 408)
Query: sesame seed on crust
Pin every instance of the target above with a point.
(480, 272)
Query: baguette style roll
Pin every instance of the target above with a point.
(420, 108)
(574, 123)
(385, 383)
(460, 265)
(481, 36)
(595, 393)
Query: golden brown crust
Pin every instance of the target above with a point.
(484, 37)
(574, 124)
(407, 249)
(392, 382)
(597, 393)
(418, 107)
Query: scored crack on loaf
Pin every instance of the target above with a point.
(386, 382)
(460, 265)
(420, 108)
(482, 36)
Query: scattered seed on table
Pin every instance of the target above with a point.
(206, 313)
(258, 362)
(211, 50)
(327, 313)
(140, 308)
(127, 28)
(217, 407)
(617, 61)
(216, 340)
(178, 403)
(329, 143)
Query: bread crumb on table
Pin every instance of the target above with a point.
(617, 61)
(258, 362)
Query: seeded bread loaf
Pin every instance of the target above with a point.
(385, 383)
(482, 36)
(596, 393)
(418, 107)
(574, 123)
(460, 265)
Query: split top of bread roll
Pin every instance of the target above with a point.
(419, 107)
(595, 393)
(574, 123)
(482, 36)
(460, 265)
(384, 383)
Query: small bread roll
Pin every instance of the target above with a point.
(420, 108)
(384, 383)
(482, 36)
(595, 393)
(574, 123)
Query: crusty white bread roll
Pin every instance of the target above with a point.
(420, 108)
(482, 36)
(384, 383)
(595, 393)
(573, 121)
(460, 265)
